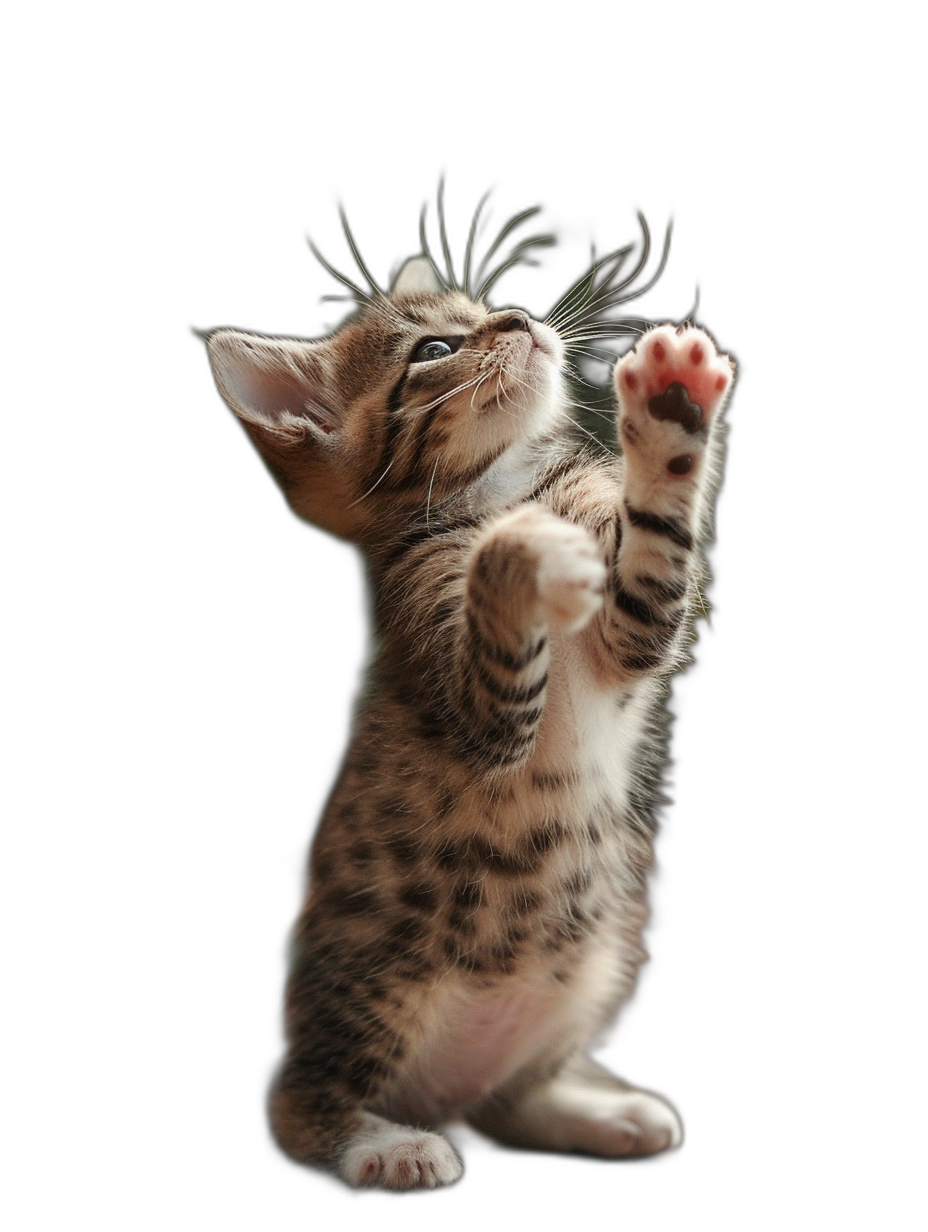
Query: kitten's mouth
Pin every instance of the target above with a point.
(523, 359)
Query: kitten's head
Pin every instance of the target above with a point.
(414, 398)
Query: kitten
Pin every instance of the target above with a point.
(477, 889)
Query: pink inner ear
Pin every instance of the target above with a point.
(270, 392)
(273, 381)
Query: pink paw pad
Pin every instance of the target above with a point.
(678, 375)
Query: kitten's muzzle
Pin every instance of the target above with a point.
(541, 337)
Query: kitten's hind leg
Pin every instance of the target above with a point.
(583, 1108)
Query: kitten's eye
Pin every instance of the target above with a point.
(435, 348)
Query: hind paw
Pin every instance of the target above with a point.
(584, 1109)
(399, 1157)
(619, 1124)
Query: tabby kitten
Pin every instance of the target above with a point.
(477, 888)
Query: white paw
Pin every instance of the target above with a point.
(670, 387)
(399, 1157)
(589, 1111)
(571, 573)
(571, 579)
(616, 1123)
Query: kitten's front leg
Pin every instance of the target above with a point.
(670, 390)
(529, 574)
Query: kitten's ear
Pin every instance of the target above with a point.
(417, 277)
(285, 393)
(283, 385)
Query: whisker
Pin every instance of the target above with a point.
(594, 299)
(428, 499)
(576, 423)
(646, 251)
(507, 229)
(356, 254)
(449, 276)
(485, 377)
(444, 234)
(504, 371)
(518, 256)
(375, 486)
(629, 327)
(368, 303)
(409, 412)
(561, 312)
(469, 250)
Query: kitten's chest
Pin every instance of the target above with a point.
(595, 736)
(521, 869)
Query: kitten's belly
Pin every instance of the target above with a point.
(473, 1042)
(475, 1047)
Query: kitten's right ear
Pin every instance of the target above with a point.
(417, 277)
(285, 394)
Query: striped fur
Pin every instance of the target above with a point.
(477, 889)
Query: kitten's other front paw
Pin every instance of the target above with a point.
(399, 1157)
(571, 580)
(571, 572)
(670, 387)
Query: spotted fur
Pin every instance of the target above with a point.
(477, 889)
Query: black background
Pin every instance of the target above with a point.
(261, 617)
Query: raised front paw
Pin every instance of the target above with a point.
(670, 387)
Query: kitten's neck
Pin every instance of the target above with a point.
(509, 480)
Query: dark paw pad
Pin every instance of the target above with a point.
(675, 403)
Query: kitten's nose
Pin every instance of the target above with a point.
(512, 318)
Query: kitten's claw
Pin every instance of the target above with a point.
(399, 1157)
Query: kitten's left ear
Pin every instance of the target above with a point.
(417, 277)
(282, 385)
